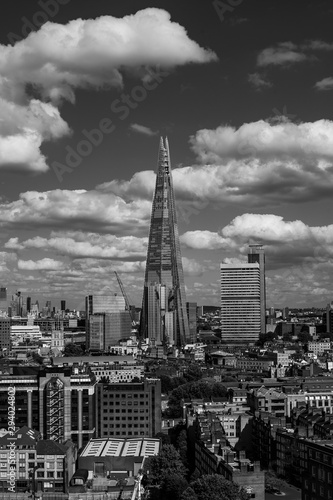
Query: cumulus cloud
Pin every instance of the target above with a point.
(77, 244)
(80, 209)
(284, 53)
(258, 81)
(285, 242)
(56, 60)
(192, 267)
(142, 129)
(39, 265)
(325, 84)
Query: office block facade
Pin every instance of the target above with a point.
(106, 330)
(4, 333)
(164, 264)
(67, 404)
(129, 409)
(240, 302)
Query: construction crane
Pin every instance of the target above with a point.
(127, 304)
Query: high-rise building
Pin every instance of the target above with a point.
(63, 305)
(3, 299)
(257, 254)
(329, 317)
(107, 321)
(28, 304)
(104, 304)
(164, 319)
(191, 309)
(240, 302)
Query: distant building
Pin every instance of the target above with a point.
(63, 305)
(106, 330)
(107, 321)
(191, 309)
(241, 302)
(3, 300)
(329, 317)
(257, 254)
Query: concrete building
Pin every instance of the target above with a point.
(104, 457)
(67, 403)
(129, 409)
(240, 302)
(268, 400)
(4, 334)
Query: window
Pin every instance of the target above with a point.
(50, 474)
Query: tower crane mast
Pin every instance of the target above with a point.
(127, 304)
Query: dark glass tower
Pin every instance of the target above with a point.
(257, 254)
(164, 320)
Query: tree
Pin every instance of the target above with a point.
(173, 487)
(72, 350)
(272, 482)
(167, 462)
(214, 487)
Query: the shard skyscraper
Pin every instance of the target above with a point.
(164, 319)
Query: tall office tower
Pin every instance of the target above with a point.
(107, 321)
(28, 304)
(3, 299)
(63, 305)
(240, 302)
(329, 317)
(164, 289)
(191, 309)
(257, 254)
(104, 304)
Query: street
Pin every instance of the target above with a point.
(291, 493)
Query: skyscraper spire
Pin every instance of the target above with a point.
(164, 319)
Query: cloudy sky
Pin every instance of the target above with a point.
(244, 92)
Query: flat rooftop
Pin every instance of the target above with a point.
(136, 447)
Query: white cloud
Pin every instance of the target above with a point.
(39, 265)
(259, 81)
(142, 129)
(88, 210)
(57, 59)
(325, 84)
(284, 53)
(192, 267)
(77, 244)
(285, 242)
(202, 240)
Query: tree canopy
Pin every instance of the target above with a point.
(213, 487)
(166, 463)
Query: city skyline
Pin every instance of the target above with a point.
(243, 94)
